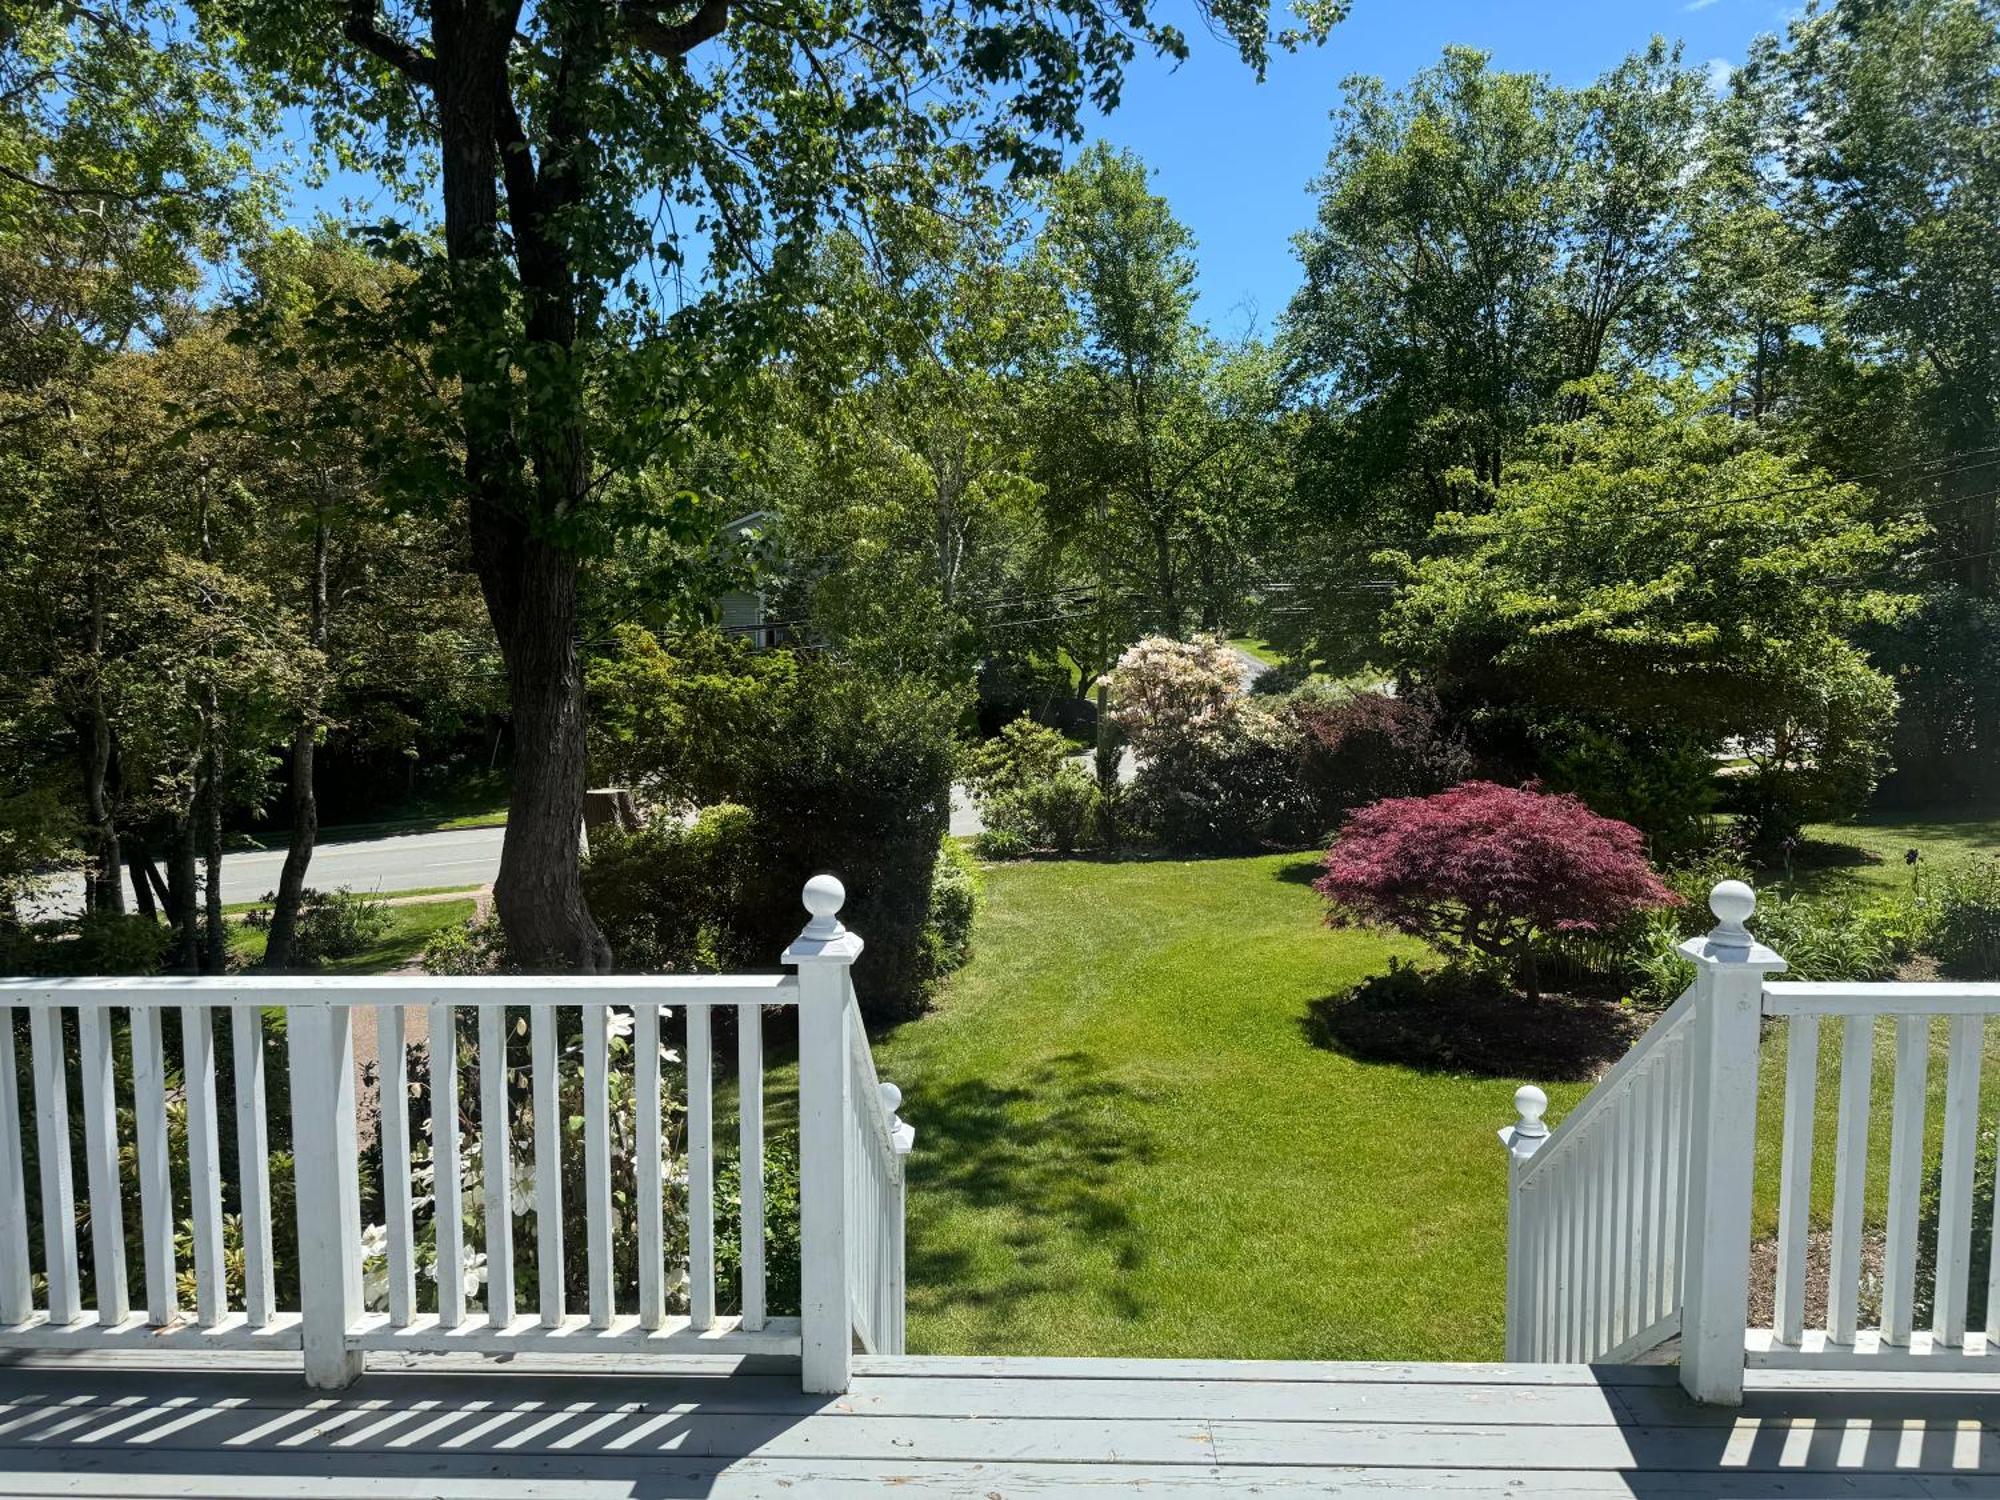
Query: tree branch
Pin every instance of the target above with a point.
(673, 39)
(414, 64)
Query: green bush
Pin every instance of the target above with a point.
(1965, 905)
(1018, 756)
(1662, 784)
(669, 896)
(1234, 790)
(954, 905)
(781, 1230)
(103, 943)
(1837, 938)
(340, 923)
(1055, 811)
(475, 947)
(853, 776)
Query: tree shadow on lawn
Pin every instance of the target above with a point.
(1053, 1146)
(1447, 1021)
(1301, 871)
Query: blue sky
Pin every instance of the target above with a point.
(1235, 157)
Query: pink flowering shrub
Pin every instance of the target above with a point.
(1482, 872)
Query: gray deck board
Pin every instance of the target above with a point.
(975, 1428)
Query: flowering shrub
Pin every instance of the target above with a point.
(1482, 872)
(1021, 754)
(1166, 693)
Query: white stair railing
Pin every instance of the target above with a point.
(1632, 1220)
(1595, 1208)
(844, 1174)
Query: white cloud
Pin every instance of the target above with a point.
(1695, 5)
(1720, 70)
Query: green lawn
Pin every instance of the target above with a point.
(1867, 854)
(1260, 648)
(236, 908)
(1126, 1145)
(410, 927)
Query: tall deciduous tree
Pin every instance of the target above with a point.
(579, 142)
(1481, 239)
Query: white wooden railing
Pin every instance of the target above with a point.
(850, 1189)
(1631, 1221)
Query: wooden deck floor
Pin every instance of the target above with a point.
(981, 1428)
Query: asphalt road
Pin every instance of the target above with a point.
(408, 861)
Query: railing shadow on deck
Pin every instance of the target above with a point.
(660, 1436)
(652, 1436)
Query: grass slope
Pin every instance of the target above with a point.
(1127, 1146)
(410, 927)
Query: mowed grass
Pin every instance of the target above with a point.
(1869, 851)
(1126, 1145)
(409, 929)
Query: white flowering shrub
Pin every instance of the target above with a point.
(1167, 693)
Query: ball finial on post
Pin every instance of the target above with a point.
(823, 897)
(1732, 902)
(1530, 1103)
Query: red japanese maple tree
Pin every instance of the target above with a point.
(1483, 871)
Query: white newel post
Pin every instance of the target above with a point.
(1730, 967)
(321, 1043)
(1522, 1140)
(822, 954)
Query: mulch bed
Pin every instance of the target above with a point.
(1445, 1022)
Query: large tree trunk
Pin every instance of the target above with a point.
(184, 902)
(216, 957)
(144, 880)
(305, 798)
(521, 483)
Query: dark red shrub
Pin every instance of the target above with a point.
(1483, 871)
(1362, 748)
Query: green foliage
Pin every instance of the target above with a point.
(1965, 901)
(1839, 938)
(1663, 784)
(1233, 790)
(955, 890)
(1482, 238)
(671, 721)
(1055, 811)
(473, 947)
(669, 895)
(331, 925)
(100, 943)
(781, 1228)
(853, 775)
(1651, 568)
(1022, 753)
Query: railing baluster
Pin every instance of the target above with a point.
(1795, 1175)
(16, 1291)
(1955, 1194)
(449, 1211)
(1850, 1177)
(156, 1182)
(100, 1156)
(652, 1223)
(398, 1202)
(52, 1143)
(750, 1158)
(548, 1166)
(597, 1161)
(496, 1165)
(204, 1164)
(701, 1170)
(253, 1164)
(1906, 1179)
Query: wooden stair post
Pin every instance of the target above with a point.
(1730, 968)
